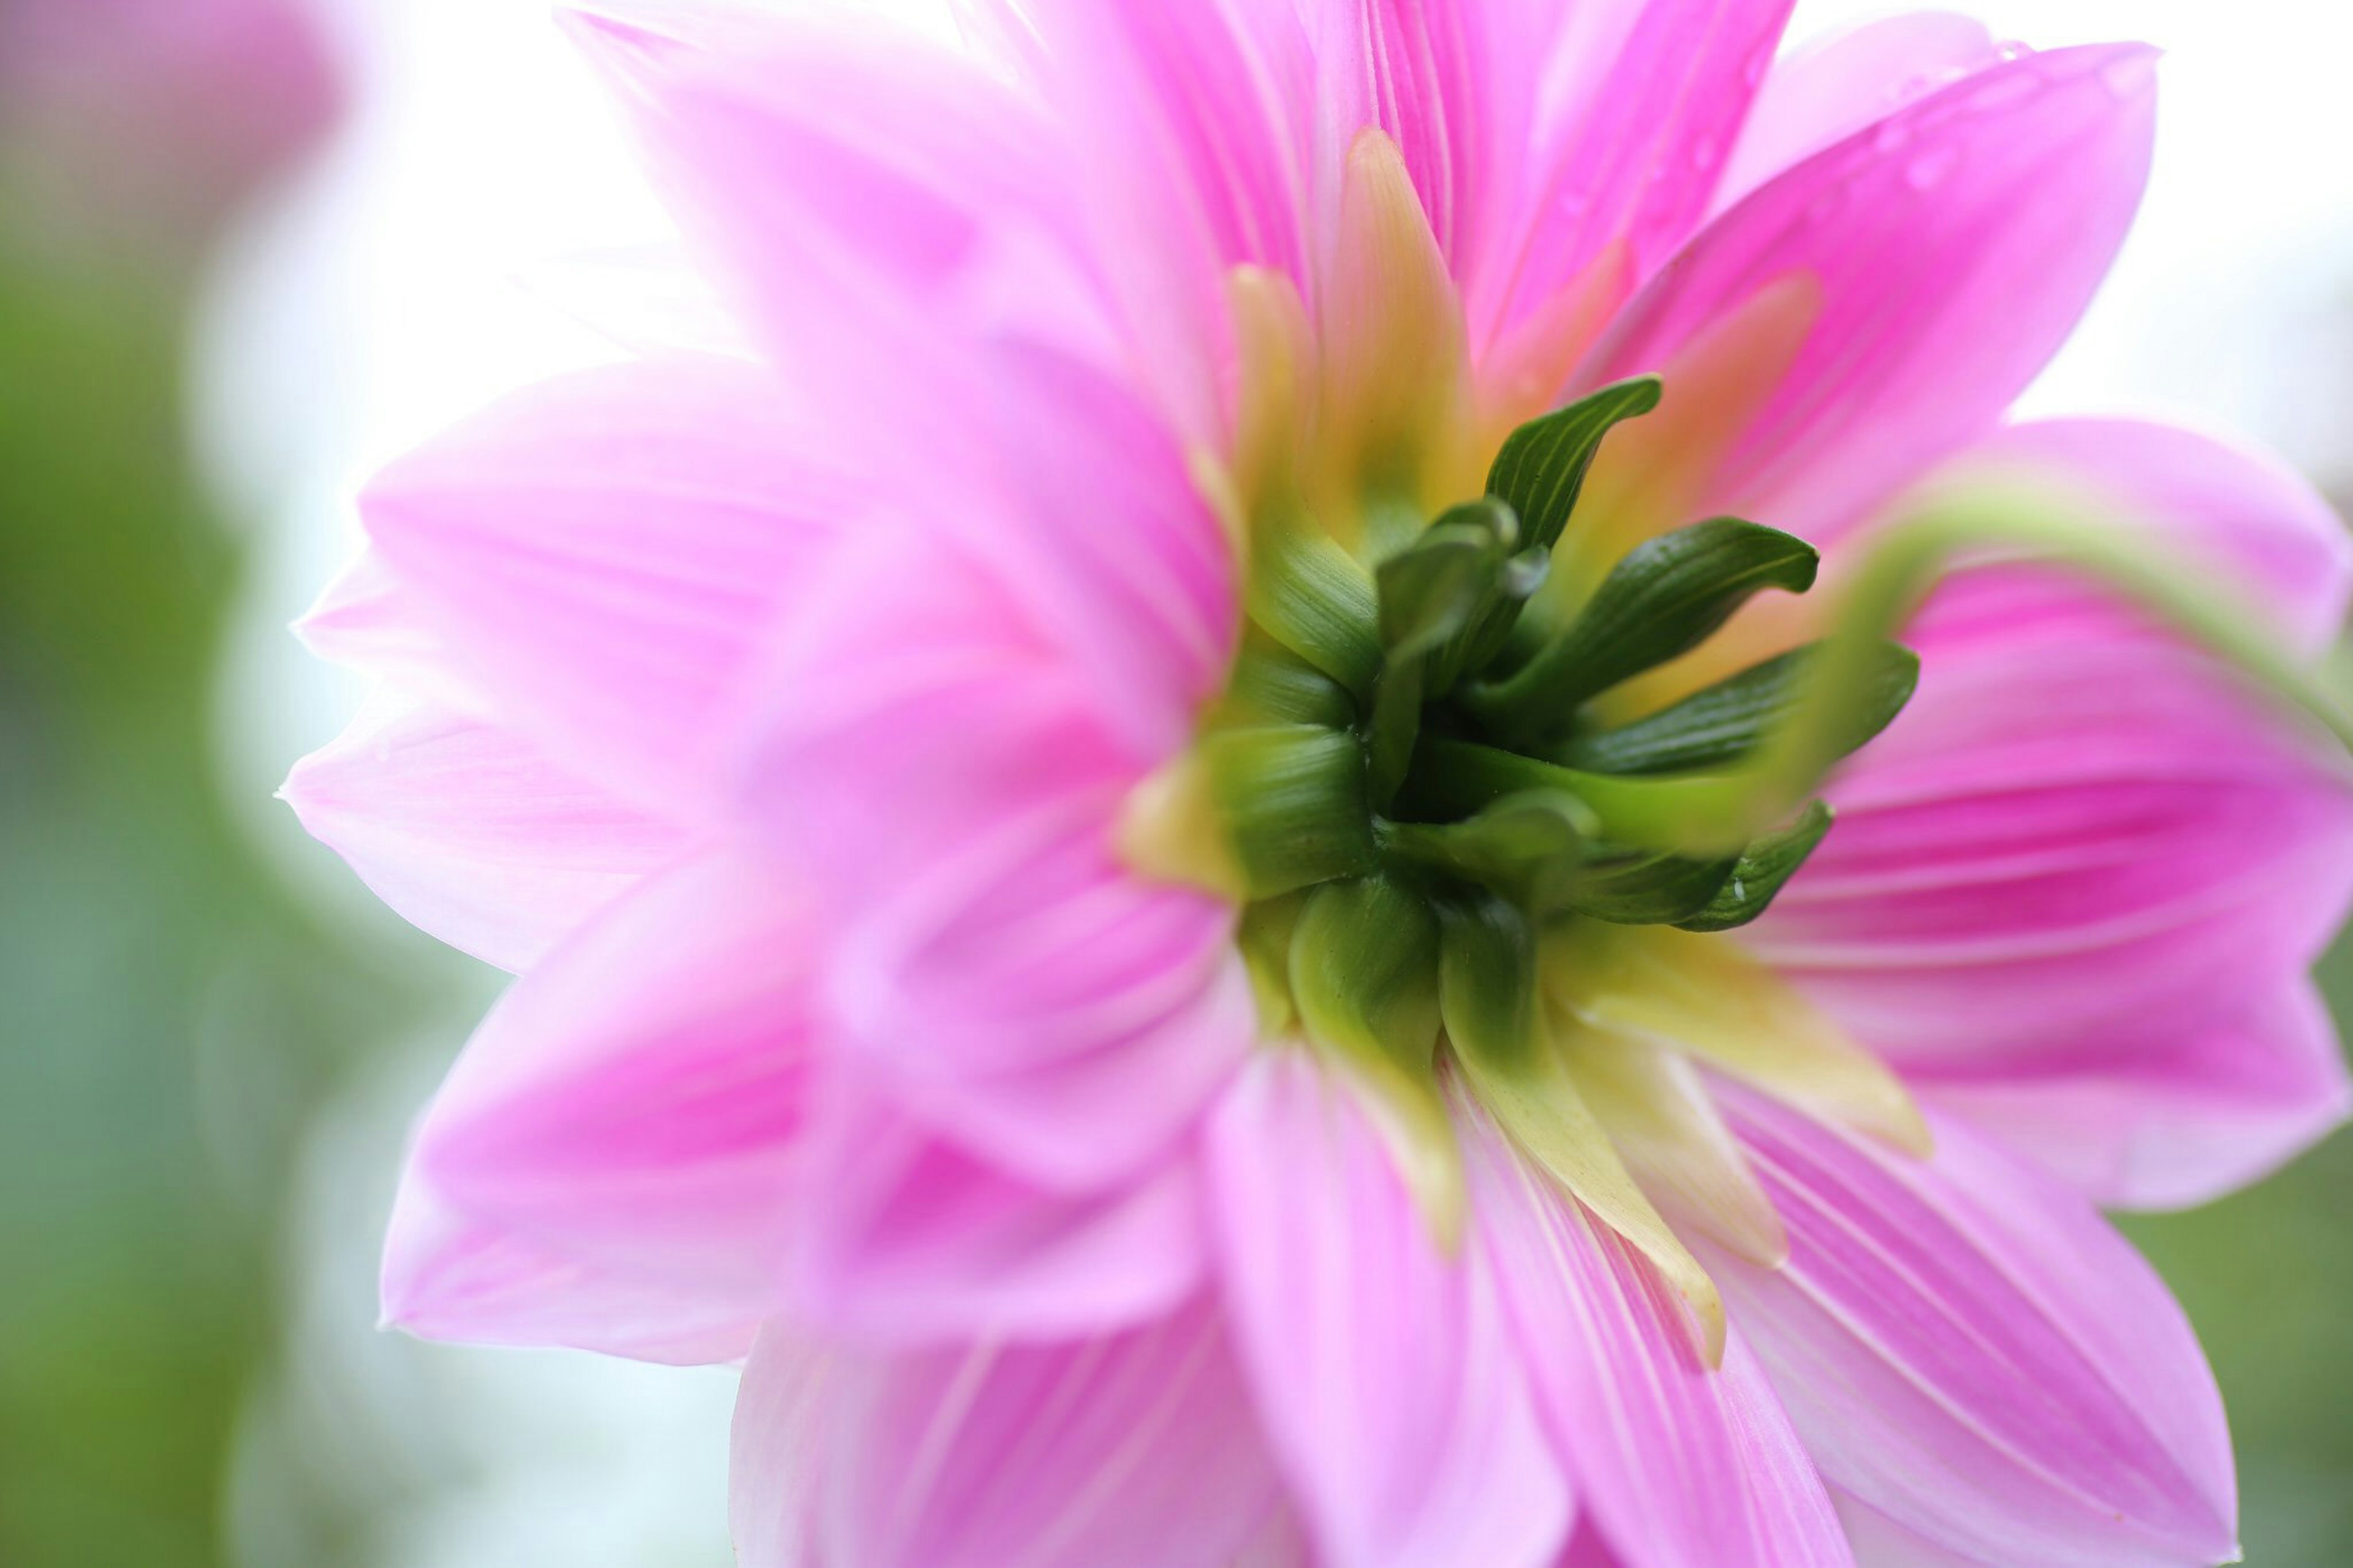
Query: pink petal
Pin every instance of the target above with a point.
(1194, 142)
(1649, 96)
(606, 551)
(448, 1278)
(2228, 509)
(1391, 1390)
(2180, 1116)
(1042, 1006)
(1934, 263)
(916, 1240)
(1678, 1464)
(368, 620)
(1968, 1350)
(1135, 1448)
(469, 832)
(1841, 83)
(635, 1102)
(2084, 860)
(901, 226)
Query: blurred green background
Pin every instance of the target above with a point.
(205, 1068)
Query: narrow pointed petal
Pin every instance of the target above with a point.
(1841, 83)
(367, 620)
(918, 1241)
(1678, 1464)
(471, 834)
(470, 1283)
(1967, 1349)
(606, 551)
(1391, 1393)
(636, 1101)
(1136, 1448)
(1646, 102)
(1908, 283)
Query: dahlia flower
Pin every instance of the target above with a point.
(1138, 847)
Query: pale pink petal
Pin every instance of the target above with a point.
(1880, 1543)
(1042, 1005)
(2191, 1111)
(1390, 1387)
(1136, 1449)
(1967, 1349)
(2084, 858)
(469, 832)
(606, 551)
(636, 1101)
(1676, 1464)
(470, 1283)
(368, 620)
(1195, 141)
(900, 225)
(916, 1240)
(1643, 102)
(2224, 508)
(1841, 83)
(1917, 276)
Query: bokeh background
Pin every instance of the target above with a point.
(249, 249)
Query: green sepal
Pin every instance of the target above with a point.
(1525, 844)
(1542, 467)
(1364, 970)
(1264, 937)
(1292, 801)
(1666, 597)
(1729, 719)
(1763, 872)
(1271, 685)
(1429, 594)
(1314, 598)
(1641, 889)
(1487, 987)
(1539, 474)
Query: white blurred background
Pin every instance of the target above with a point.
(406, 280)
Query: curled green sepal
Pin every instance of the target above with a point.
(1271, 685)
(1763, 871)
(1539, 474)
(1364, 972)
(1312, 597)
(1726, 721)
(1666, 597)
(1487, 987)
(1428, 593)
(1291, 802)
(1527, 845)
(1643, 888)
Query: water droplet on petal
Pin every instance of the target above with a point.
(1932, 168)
(1892, 135)
(2013, 50)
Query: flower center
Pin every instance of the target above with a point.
(1441, 846)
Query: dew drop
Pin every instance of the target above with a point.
(2013, 50)
(1932, 168)
(1892, 135)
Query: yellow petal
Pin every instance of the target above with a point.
(1539, 1105)
(1706, 997)
(1394, 407)
(1657, 1112)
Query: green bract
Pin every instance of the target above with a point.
(1407, 783)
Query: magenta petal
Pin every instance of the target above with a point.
(636, 1102)
(1937, 260)
(1646, 98)
(2226, 508)
(1678, 1464)
(446, 1278)
(1836, 85)
(1967, 1349)
(1136, 1449)
(606, 553)
(2178, 1115)
(1389, 1380)
(469, 833)
(917, 1240)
